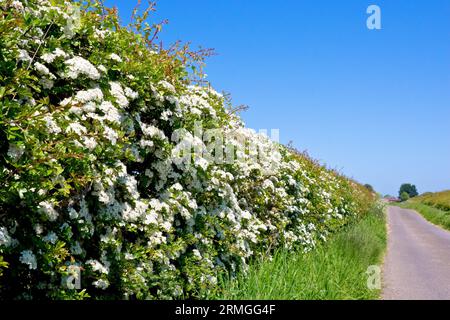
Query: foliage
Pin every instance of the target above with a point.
(435, 207)
(3, 265)
(335, 270)
(92, 116)
(439, 200)
(404, 196)
(410, 189)
(369, 187)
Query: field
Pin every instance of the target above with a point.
(439, 200)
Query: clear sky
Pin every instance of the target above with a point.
(374, 104)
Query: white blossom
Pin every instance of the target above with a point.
(267, 184)
(5, 238)
(152, 131)
(51, 57)
(85, 96)
(52, 126)
(101, 34)
(97, 266)
(51, 237)
(130, 93)
(27, 257)
(78, 66)
(115, 57)
(41, 68)
(24, 56)
(129, 256)
(101, 284)
(167, 86)
(73, 20)
(246, 215)
(76, 128)
(66, 102)
(73, 214)
(90, 143)
(110, 134)
(15, 152)
(17, 5)
(48, 209)
(102, 68)
(197, 254)
(111, 113)
(118, 93)
(47, 83)
(39, 229)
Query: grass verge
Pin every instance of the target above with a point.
(335, 270)
(434, 215)
(439, 200)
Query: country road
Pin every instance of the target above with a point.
(417, 263)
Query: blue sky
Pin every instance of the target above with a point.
(374, 104)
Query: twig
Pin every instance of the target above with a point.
(40, 44)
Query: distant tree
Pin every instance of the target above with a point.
(410, 189)
(369, 187)
(404, 196)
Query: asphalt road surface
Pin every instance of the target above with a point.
(417, 263)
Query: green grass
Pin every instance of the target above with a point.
(333, 271)
(432, 214)
(439, 200)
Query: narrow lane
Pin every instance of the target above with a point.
(417, 264)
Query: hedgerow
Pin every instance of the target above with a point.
(95, 183)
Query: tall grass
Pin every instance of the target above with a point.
(334, 271)
(439, 200)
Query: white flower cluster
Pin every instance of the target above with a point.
(24, 56)
(115, 57)
(5, 238)
(48, 209)
(17, 5)
(27, 257)
(167, 86)
(121, 96)
(51, 237)
(97, 266)
(110, 112)
(16, 152)
(78, 66)
(94, 94)
(51, 57)
(52, 126)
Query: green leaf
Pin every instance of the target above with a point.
(2, 92)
